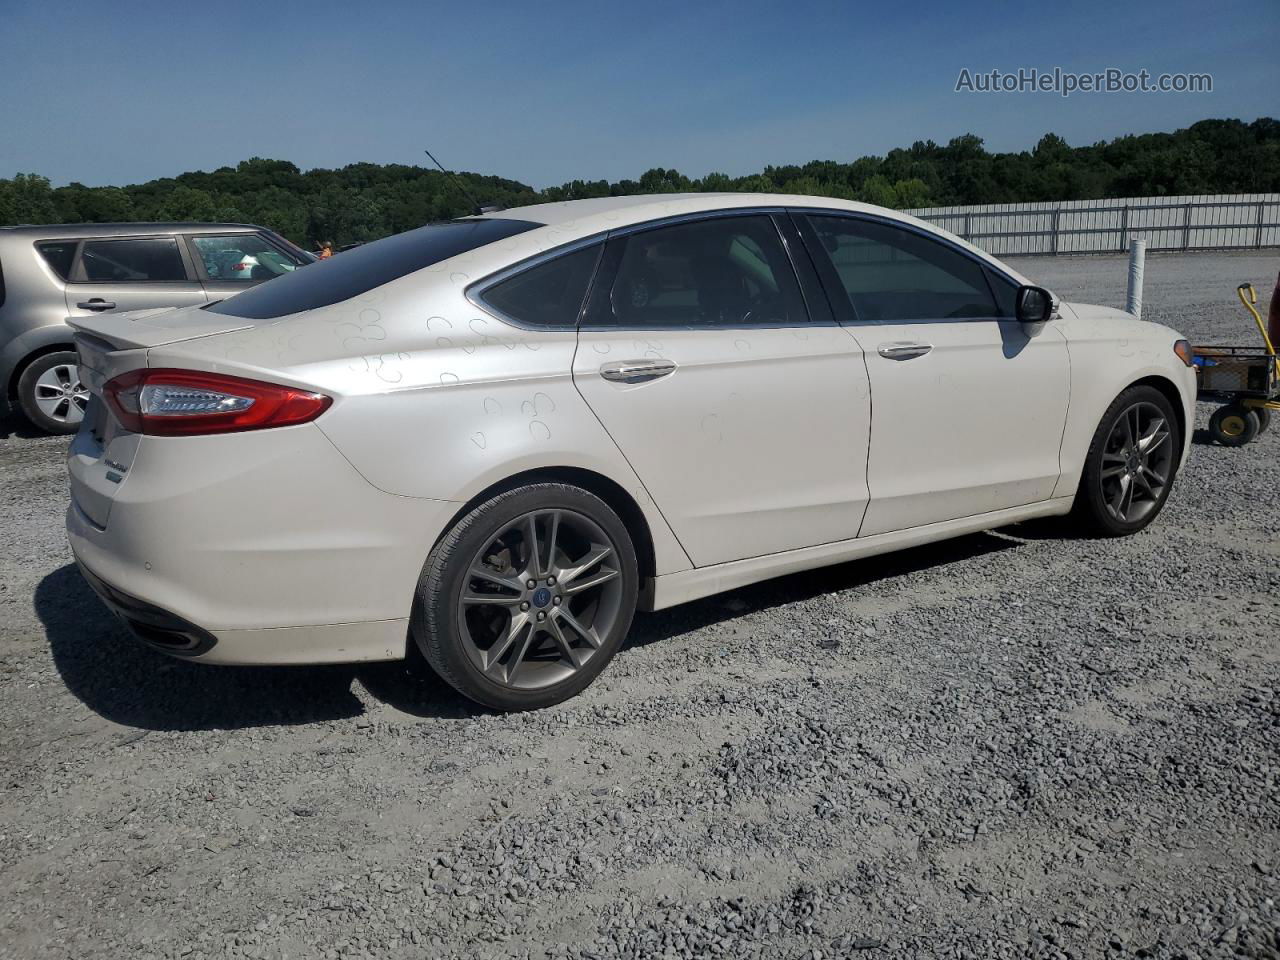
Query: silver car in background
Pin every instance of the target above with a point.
(50, 273)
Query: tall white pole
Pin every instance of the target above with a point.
(1137, 263)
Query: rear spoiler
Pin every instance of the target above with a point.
(142, 329)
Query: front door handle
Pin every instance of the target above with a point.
(97, 303)
(636, 371)
(903, 351)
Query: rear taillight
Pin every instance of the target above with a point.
(177, 403)
(239, 266)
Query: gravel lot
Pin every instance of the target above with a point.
(1008, 745)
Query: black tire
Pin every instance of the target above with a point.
(1264, 419)
(1234, 425)
(1091, 510)
(29, 400)
(439, 624)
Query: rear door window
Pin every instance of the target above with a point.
(730, 271)
(59, 254)
(357, 271)
(140, 260)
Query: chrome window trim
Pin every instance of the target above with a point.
(675, 219)
(474, 292)
(708, 328)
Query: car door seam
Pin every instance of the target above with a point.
(1066, 417)
(573, 378)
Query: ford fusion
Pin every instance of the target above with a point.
(497, 438)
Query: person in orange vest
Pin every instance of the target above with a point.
(326, 250)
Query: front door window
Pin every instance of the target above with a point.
(243, 256)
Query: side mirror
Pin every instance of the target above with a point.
(1034, 304)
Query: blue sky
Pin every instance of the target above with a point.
(547, 92)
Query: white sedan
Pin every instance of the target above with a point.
(498, 437)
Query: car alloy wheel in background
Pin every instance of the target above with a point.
(51, 394)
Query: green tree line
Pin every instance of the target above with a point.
(364, 201)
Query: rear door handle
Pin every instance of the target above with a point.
(903, 351)
(97, 303)
(636, 371)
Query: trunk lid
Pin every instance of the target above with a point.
(102, 450)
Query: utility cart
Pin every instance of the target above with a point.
(1243, 379)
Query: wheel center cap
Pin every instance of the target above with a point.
(541, 597)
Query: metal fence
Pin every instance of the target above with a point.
(1230, 222)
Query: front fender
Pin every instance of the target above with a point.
(1108, 355)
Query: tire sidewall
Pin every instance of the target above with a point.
(26, 392)
(1091, 486)
(1252, 425)
(436, 609)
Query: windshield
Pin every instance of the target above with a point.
(357, 271)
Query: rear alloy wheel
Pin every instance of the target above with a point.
(51, 394)
(523, 603)
(1131, 464)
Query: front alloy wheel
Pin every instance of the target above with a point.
(1137, 462)
(1130, 465)
(528, 597)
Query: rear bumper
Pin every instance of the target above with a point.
(168, 633)
(256, 548)
(155, 627)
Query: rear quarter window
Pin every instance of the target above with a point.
(357, 271)
(549, 294)
(59, 254)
